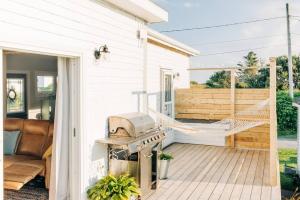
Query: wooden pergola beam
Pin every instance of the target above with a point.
(232, 102)
(273, 125)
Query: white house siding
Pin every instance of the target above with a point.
(78, 27)
(164, 58)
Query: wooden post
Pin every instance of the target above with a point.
(273, 124)
(298, 136)
(232, 102)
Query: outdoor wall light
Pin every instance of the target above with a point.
(102, 50)
(176, 75)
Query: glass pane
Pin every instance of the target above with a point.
(15, 95)
(45, 84)
(168, 88)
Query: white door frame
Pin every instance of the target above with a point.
(75, 139)
(1, 121)
(76, 165)
(164, 72)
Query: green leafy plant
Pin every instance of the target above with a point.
(166, 156)
(114, 188)
(295, 196)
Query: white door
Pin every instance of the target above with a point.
(167, 93)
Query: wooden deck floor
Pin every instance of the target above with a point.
(210, 172)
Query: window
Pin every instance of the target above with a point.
(45, 84)
(16, 94)
(168, 88)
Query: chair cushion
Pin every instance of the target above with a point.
(10, 142)
(34, 137)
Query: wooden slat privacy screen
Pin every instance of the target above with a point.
(214, 104)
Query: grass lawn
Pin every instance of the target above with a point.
(288, 156)
(288, 134)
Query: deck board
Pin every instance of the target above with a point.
(238, 187)
(182, 185)
(222, 183)
(216, 173)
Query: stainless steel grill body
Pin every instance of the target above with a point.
(134, 146)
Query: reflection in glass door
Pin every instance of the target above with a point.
(16, 96)
(167, 93)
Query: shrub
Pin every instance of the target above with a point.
(193, 82)
(114, 188)
(165, 156)
(286, 113)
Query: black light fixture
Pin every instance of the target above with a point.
(176, 75)
(102, 50)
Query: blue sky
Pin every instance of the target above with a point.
(198, 13)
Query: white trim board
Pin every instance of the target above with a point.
(144, 9)
(170, 42)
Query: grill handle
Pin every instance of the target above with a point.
(149, 156)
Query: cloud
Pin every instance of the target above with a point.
(186, 4)
(163, 2)
(190, 4)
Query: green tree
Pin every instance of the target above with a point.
(219, 80)
(283, 75)
(258, 78)
(193, 82)
(250, 60)
(249, 78)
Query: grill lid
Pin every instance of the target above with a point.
(130, 124)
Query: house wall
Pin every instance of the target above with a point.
(78, 27)
(160, 57)
(31, 64)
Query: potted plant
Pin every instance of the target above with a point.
(165, 159)
(110, 187)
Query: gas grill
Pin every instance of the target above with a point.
(134, 144)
